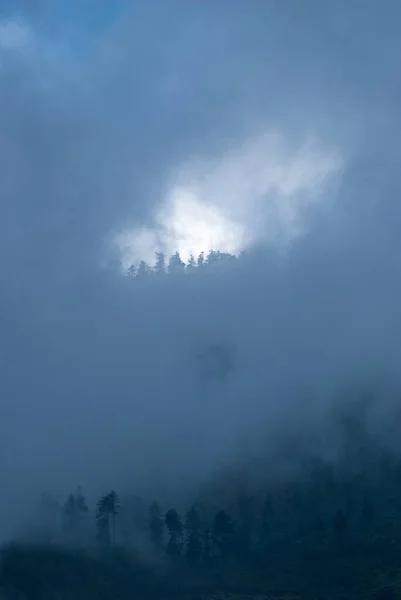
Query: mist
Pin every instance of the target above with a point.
(275, 127)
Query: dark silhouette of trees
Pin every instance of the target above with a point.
(160, 266)
(132, 271)
(107, 509)
(176, 265)
(307, 534)
(223, 529)
(164, 266)
(143, 270)
(223, 524)
(176, 530)
(212, 258)
(332, 528)
(191, 266)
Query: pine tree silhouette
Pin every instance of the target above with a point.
(107, 509)
(175, 528)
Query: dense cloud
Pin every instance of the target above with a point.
(101, 378)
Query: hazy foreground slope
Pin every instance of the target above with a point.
(334, 532)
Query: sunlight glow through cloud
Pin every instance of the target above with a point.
(257, 192)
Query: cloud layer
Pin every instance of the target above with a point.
(209, 124)
(257, 192)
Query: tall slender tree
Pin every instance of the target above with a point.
(160, 266)
(191, 266)
(175, 529)
(107, 510)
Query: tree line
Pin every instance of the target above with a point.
(333, 532)
(175, 264)
(326, 510)
(167, 531)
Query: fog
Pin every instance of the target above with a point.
(270, 127)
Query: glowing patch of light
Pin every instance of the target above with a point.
(193, 226)
(254, 192)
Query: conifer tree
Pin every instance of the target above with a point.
(160, 266)
(191, 266)
(223, 530)
(107, 509)
(176, 265)
(175, 529)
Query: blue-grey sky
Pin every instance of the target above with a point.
(128, 128)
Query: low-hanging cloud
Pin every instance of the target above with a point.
(257, 192)
(103, 379)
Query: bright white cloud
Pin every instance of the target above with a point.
(190, 224)
(254, 192)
